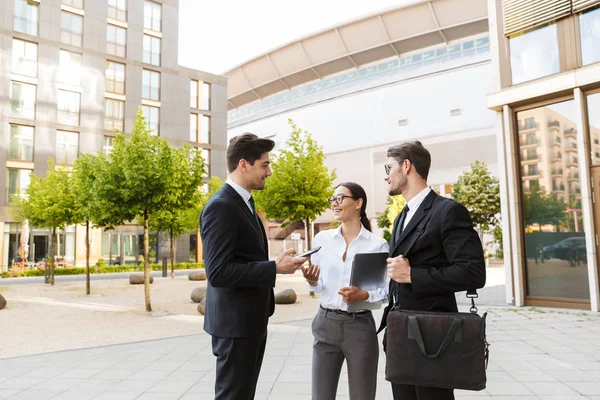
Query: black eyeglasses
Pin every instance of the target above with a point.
(388, 167)
(340, 198)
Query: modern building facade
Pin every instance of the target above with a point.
(419, 71)
(72, 72)
(546, 95)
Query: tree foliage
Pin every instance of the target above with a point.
(385, 219)
(301, 183)
(479, 192)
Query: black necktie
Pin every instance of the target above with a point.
(401, 222)
(251, 201)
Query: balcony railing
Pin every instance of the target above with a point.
(557, 171)
(21, 153)
(553, 124)
(556, 188)
(573, 176)
(114, 86)
(570, 131)
(529, 141)
(530, 157)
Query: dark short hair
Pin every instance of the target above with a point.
(415, 153)
(247, 146)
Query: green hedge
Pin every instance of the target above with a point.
(105, 269)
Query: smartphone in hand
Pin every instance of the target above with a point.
(309, 252)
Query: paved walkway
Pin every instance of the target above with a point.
(535, 354)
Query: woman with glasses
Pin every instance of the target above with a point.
(338, 334)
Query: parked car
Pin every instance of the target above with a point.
(572, 249)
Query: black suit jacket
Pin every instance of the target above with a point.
(239, 297)
(447, 257)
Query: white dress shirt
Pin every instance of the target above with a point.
(414, 203)
(242, 192)
(335, 272)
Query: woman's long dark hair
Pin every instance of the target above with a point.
(359, 193)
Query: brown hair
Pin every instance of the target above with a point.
(247, 146)
(415, 153)
(359, 193)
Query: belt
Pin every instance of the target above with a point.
(351, 314)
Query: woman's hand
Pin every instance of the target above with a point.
(311, 274)
(353, 294)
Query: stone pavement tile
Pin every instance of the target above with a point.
(100, 385)
(531, 376)
(127, 364)
(184, 376)
(118, 395)
(573, 357)
(204, 388)
(292, 397)
(552, 364)
(573, 397)
(499, 376)
(114, 374)
(291, 388)
(164, 365)
(586, 388)
(507, 388)
(6, 393)
(21, 383)
(31, 394)
(149, 374)
(589, 366)
(210, 376)
(57, 384)
(102, 364)
(550, 388)
(473, 397)
(80, 373)
(158, 396)
(75, 394)
(573, 376)
(11, 372)
(44, 372)
(172, 387)
(134, 385)
(198, 366)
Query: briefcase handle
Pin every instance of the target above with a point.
(472, 294)
(454, 334)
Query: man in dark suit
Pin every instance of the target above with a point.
(239, 298)
(446, 258)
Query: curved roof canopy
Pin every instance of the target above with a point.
(390, 33)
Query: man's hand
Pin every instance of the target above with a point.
(311, 274)
(353, 294)
(288, 265)
(399, 269)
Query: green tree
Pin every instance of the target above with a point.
(479, 192)
(543, 208)
(50, 202)
(300, 185)
(385, 219)
(137, 183)
(88, 175)
(183, 197)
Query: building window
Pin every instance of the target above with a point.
(150, 85)
(206, 156)
(194, 128)
(593, 105)
(115, 77)
(26, 17)
(194, 94)
(67, 147)
(116, 40)
(554, 234)
(199, 128)
(22, 100)
(151, 50)
(20, 147)
(152, 16)
(18, 182)
(205, 96)
(69, 69)
(71, 29)
(107, 146)
(24, 58)
(114, 115)
(68, 108)
(152, 115)
(117, 9)
(589, 33)
(534, 54)
(74, 3)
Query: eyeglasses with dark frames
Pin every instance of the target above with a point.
(340, 198)
(388, 167)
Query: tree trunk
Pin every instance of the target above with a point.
(87, 258)
(172, 256)
(147, 262)
(52, 253)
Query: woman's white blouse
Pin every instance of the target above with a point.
(335, 273)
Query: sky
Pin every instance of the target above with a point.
(218, 35)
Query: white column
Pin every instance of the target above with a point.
(514, 203)
(586, 196)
